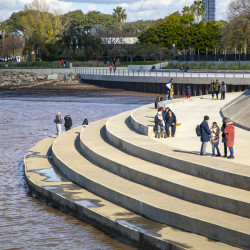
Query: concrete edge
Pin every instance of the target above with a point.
(63, 204)
(171, 218)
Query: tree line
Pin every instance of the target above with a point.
(51, 35)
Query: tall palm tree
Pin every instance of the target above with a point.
(198, 9)
(119, 16)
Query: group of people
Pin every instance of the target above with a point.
(216, 87)
(67, 123)
(213, 135)
(165, 120)
(112, 69)
(59, 120)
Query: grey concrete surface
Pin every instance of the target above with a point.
(212, 223)
(94, 144)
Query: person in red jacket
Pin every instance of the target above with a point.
(229, 132)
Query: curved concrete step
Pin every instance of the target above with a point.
(61, 193)
(93, 143)
(211, 223)
(149, 149)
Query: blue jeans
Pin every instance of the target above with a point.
(217, 149)
(173, 128)
(231, 150)
(212, 93)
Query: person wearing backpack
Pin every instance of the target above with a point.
(205, 135)
(58, 122)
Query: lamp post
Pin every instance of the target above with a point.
(173, 51)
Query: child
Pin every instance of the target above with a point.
(215, 134)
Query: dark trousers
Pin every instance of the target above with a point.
(222, 95)
(217, 94)
(173, 128)
(225, 149)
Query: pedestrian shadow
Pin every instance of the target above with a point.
(187, 152)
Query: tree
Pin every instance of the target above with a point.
(4, 30)
(40, 27)
(198, 9)
(119, 16)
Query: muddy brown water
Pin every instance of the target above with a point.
(26, 118)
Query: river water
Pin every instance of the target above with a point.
(26, 118)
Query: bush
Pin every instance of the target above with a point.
(244, 67)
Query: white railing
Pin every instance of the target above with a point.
(174, 74)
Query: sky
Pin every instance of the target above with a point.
(135, 9)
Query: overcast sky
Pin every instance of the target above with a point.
(135, 9)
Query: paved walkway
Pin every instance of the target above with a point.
(189, 114)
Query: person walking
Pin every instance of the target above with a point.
(170, 123)
(215, 138)
(110, 69)
(168, 88)
(58, 122)
(230, 134)
(224, 136)
(223, 89)
(217, 88)
(205, 135)
(188, 91)
(211, 89)
(67, 122)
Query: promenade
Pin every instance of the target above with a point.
(190, 113)
(160, 193)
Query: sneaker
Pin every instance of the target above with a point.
(203, 154)
(218, 155)
(230, 157)
(165, 136)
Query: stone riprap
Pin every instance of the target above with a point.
(14, 78)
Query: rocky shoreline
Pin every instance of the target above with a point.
(65, 84)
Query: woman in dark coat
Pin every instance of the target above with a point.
(170, 122)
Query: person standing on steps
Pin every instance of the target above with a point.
(205, 135)
(223, 89)
(217, 88)
(67, 122)
(224, 136)
(230, 134)
(170, 123)
(211, 89)
(58, 122)
(215, 138)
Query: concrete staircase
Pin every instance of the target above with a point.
(206, 203)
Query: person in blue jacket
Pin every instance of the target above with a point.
(205, 135)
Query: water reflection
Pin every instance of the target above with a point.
(26, 222)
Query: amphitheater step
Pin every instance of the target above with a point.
(149, 149)
(61, 193)
(93, 143)
(211, 223)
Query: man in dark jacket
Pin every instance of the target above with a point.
(67, 122)
(205, 135)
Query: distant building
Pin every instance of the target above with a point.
(209, 10)
(119, 40)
